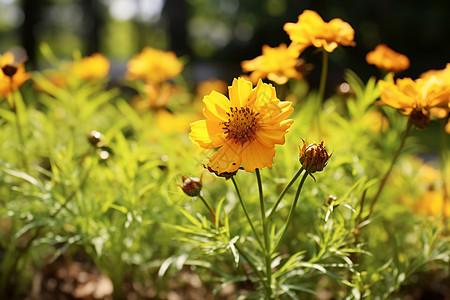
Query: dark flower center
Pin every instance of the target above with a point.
(242, 125)
(420, 118)
(9, 70)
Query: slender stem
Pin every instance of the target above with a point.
(291, 212)
(246, 211)
(211, 211)
(19, 130)
(286, 188)
(384, 180)
(267, 251)
(323, 77)
(322, 84)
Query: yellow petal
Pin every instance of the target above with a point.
(239, 92)
(255, 155)
(271, 135)
(227, 158)
(216, 106)
(262, 97)
(207, 134)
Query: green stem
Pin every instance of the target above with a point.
(384, 180)
(246, 211)
(322, 84)
(291, 212)
(211, 211)
(286, 188)
(15, 108)
(267, 251)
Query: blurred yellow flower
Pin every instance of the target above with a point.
(169, 122)
(156, 96)
(376, 121)
(153, 65)
(204, 88)
(276, 64)
(12, 74)
(415, 97)
(432, 204)
(387, 59)
(311, 30)
(246, 126)
(442, 79)
(95, 66)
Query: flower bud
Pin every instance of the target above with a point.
(313, 157)
(191, 186)
(95, 138)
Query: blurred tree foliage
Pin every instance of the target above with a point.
(216, 35)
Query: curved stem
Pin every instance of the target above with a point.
(246, 211)
(280, 197)
(267, 251)
(291, 212)
(384, 180)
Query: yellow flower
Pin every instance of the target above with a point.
(246, 126)
(387, 59)
(95, 66)
(153, 65)
(415, 97)
(311, 30)
(205, 87)
(156, 96)
(169, 122)
(440, 78)
(276, 64)
(12, 74)
(432, 204)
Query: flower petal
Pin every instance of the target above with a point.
(216, 106)
(207, 134)
(255, 155)
(227, 158)
(239, 91)
(271, 135)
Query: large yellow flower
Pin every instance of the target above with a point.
(415, 97)
(387, 59)
(154, 65)
(246, 127)
(95, 66)
(276, 64)
(311, 30)
(12, 74)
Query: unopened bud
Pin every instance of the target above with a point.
(191, 186)
(313, 157)
(95, 138)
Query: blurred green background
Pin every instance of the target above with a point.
(214, 36)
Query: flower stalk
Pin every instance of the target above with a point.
(386, 175)
(291, 211)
